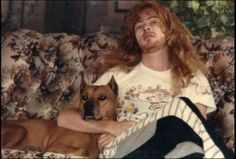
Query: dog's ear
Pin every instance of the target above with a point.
(83, 84)
(113, 85)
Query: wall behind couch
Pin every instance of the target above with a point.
(80, 17)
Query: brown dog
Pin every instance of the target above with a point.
(96, 103)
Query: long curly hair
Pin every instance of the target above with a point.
(182, 54)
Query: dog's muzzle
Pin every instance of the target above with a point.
(89, 111)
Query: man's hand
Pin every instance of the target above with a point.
(113, 129)
(104, 140)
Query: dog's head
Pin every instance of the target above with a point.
(98, 102)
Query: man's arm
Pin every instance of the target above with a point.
(203, 109)
(70, 118)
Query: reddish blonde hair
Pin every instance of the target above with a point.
(182, 54)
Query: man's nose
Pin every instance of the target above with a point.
(146, 27)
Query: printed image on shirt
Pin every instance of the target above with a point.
(202, 89)
(138, 102)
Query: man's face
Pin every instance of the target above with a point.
(148, 32)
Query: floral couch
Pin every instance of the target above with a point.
(41, 74)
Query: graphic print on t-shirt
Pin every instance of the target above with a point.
(138, 102)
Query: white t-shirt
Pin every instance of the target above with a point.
(143, 90)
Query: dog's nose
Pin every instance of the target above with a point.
(88, 108)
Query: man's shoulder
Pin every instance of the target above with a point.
(122, 70)
(199, 77)
(118, 73)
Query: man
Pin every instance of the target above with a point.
(157, 62)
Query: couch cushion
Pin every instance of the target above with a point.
(218, 56)
(41, 72)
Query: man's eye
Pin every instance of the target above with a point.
(102, 98)
(138, 27)
(84, 97)
(153, 22)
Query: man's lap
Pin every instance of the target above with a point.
(170, 131)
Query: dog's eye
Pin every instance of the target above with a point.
(84, 97)
(102, 98)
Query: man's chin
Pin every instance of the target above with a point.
(152, 48)
(148, 44)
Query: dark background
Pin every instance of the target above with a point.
(205, 19)
(79, 17)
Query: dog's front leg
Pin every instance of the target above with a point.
(81, 152)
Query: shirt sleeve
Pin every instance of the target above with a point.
(106, 77)
(199, 91)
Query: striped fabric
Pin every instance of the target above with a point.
(128, 141)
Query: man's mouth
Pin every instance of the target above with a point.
(148, 35)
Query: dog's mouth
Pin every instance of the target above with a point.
(88, 112)
(92, 117)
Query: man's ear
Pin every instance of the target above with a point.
(113, 85)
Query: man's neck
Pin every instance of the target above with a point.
(156, 60)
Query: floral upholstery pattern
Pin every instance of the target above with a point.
(41, 74)
(36, 154)
(218, 55)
